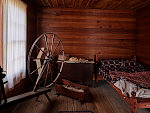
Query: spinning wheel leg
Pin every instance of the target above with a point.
(46, 97)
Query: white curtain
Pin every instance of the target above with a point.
(14, 41)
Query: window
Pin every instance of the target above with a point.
(14, 40)
(0, 32)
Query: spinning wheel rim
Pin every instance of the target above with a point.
(50, 57)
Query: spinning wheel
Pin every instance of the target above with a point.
(43, 67)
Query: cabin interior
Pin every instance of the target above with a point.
(109, 29)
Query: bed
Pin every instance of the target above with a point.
(130, 79)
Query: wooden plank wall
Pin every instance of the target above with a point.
(31, 36)
(31, 23)
(86, 32)
(143, 36)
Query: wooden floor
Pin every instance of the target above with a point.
(104, 100)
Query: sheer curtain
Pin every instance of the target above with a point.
(14, 41)
(0, 32)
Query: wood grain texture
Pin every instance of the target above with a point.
(87, 32)
(94, 4)
(82, 76)
(31, 30)
(23, 97)
(31, 23)
(103, 100)
(143, 36)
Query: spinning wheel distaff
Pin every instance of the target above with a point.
(43, 68)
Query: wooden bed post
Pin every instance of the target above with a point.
(133, 102)
(95, 68)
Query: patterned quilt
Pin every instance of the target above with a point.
(119, 65)
(141, 79)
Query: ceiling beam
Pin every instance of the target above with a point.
(38, 2)
(142, 5)
(43, 2)
(64, 3)
(87, 5)
(50, 2)
(94, 4)
(91, 4)
(80, 3)
(56, 3)
(73, 3)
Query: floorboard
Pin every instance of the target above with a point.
(103, 100)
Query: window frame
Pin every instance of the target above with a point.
(1, 59)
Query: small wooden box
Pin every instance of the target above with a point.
(73, 90)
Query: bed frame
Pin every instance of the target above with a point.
(132, 101)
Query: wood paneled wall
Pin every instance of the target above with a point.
(31, 35)
(86, 32)
(143, 36)
(31, 23)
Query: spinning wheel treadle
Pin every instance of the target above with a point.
(43, 68)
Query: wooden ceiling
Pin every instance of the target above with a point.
(94, 4)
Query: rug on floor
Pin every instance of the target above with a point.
(75, 112)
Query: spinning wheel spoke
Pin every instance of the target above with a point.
(40, 82)
(39, 58)
(58, 53)
(40, 75)
(46, 75)
(43, 59)
(51, 76)
(52, 43)
(47, 44)
(56, 46)
(41, 50)
(37, 68)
